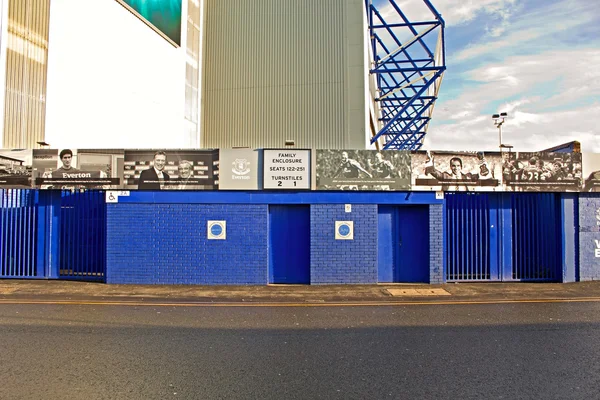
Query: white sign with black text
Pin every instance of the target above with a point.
(286, 169)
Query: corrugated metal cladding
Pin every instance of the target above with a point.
(26, 67)
(277, 70)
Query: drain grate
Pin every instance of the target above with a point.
(418, 292)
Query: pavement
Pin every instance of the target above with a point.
(71, 291)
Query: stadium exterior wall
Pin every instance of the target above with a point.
(277, 70)
(161, 238)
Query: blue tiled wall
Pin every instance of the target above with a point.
(343, 261)
(167, 244)
(589, 232)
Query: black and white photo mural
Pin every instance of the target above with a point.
(363, 170)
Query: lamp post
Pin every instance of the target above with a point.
(499, 121)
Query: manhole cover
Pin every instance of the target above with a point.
(418, 292)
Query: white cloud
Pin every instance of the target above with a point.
(529, 28)
(525, 131)
(546, 83)
(454, 12)
(566, 74)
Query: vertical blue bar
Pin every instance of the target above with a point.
(28, 234)
(516, 234)
(12, 237)
(448, 234)
(444, 242)
(466, 236)
(79, 207)
(2, 236)
(54, 232)
(477, 224)
(548, 225)
(41, 227)
(63, 241)
(103, 248)
(18, 233)
(494, 237)
(506, 237)
(22, 232)
(568, 235)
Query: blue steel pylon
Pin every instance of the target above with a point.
(407, 73)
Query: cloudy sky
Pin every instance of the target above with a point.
(538, 60)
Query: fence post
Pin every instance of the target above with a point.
(52, 231)
(506, 261)
(568, 233)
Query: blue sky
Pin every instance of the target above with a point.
(538, 60)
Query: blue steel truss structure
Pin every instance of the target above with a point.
(407, 66)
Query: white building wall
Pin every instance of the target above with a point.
(112, 81)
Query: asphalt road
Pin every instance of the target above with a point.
(467, 351)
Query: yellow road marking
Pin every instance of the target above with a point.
(306, 304)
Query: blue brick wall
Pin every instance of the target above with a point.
(589, 232)
(343, 261)
(167, 244)
(436, 243)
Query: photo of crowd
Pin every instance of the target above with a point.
(591, 172)
(362, 170)
(542, 171)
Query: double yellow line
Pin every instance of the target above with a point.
(285, 304)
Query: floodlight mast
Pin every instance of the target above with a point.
(407, 67)
(499, 120)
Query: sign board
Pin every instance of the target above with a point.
(217, 230)
(112, 196)
(344, 230)
(286, 169)
(238, 169)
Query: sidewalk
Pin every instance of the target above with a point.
(47, 290)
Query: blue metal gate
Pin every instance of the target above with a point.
(468, 222)
(503, 237)
(82, 235)
(536, 237)
(18, 231)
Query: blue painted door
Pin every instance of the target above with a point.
(386, 241)
(403, 244)
(413, 242)
(289, 244)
